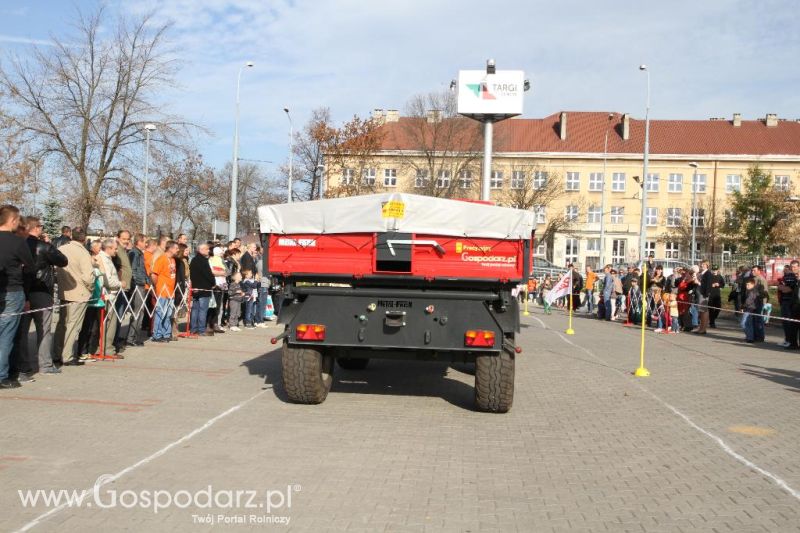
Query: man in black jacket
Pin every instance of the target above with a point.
(64, 238)
(715, 299)
(248, 260)
(139, 281)
(16, 268)
(40, 296)
(704, 277)
(202, 283)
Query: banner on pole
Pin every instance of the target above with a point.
(562, 288)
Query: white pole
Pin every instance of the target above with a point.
(291, 155)
(646, 157)
(146, 177)
(694, 216)
(487, 159)
(233, 215)
(603, 200)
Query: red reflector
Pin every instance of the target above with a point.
(310, 332)
(479, 337)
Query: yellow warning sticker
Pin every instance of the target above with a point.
(459, 247)
(393, 209)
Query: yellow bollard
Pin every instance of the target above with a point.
(642, 372)
(526, 313)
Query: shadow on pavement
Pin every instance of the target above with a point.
(382, 376)
(789, 378)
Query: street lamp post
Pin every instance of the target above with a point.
(646, 157)
(322, 168)
(147, 129)
(694, 213)
(235, 165)
(291, 147)
(603, 198)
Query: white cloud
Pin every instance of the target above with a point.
(708, 58)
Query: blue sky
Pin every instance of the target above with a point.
(707, 58)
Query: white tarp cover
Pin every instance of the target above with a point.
(409, 213)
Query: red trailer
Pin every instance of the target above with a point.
(397, 276)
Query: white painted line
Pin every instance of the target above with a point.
(106, 479)
(721, 443)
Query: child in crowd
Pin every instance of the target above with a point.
(250, 291)
(635, 302)
(235, 295)
(673, 313)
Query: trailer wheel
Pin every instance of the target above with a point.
(494, 382)
(353, 363)
(307, 373)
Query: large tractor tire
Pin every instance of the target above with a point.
(307, 373)
(494, 382)
(353, 363)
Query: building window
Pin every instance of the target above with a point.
(673, 217)
(675, 183)
(573, 181)
(369, 176)
(781, 183)
(422, 178)
(733, 182)
(699, 182)
(517, 179)
(596, 181)
(539, 212)
(730, 217)
(390, 177)
(594, 214)
(618, 251)
(496, 180)
(651, 218)
(652, 183)
(571, 250)
(593, 245)
(617, 214)
(673, 250)
(649, 248)
(443, 179)
(348, 176)
(541, 249)
(539, 179)
(618, 182)
(571, 213)
(698, 217)
(465, 179)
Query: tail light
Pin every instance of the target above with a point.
(479, 338)
(310, 332)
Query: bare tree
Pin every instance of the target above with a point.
(255, 188)
(679, 227)
(531, 187)
(86, 99)
(440, 147)
(309, 154)
(351, 156)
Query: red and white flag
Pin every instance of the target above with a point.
(562, 288)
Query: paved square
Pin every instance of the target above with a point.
(708, 443)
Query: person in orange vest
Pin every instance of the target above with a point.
(591, 279)
(163, 276)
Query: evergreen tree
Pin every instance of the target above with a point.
(52, 218)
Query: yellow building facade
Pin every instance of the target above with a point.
(571, 150)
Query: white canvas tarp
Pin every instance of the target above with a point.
(401, 212)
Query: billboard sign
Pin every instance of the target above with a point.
(497, 96)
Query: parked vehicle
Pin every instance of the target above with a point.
(397, 276)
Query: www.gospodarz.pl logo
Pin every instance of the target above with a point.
(265, 502)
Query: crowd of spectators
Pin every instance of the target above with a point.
(113, 293)
(685, 300)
